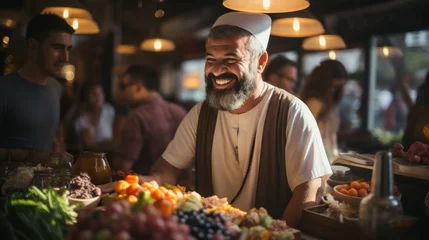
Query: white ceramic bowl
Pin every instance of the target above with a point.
(85, 203)
(354, 201)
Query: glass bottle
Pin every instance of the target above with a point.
(95, 165)
(380, 207)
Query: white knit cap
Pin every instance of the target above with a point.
(257, 24)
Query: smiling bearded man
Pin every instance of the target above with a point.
(252, 143)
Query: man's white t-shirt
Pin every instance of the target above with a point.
(305, 156)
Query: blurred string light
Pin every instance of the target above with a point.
(5, 41)
(387, 50)
(68, 72)
(332, 55)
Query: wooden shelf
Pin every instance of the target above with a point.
(395, 171)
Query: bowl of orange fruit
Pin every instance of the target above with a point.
(354, 192)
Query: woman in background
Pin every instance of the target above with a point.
(322, 92)
(94, 126)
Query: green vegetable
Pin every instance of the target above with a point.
(37, 215)
(266, 220)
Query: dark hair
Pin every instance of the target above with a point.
(86, 89)
(146, 75)
(319, 83)
(276, 65)
(42, 25)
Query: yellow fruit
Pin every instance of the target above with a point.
(121, 186)
(132, 199)
(121, 196)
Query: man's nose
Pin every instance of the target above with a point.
(218, 68)
(65, 55)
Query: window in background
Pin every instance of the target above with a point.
(353, 61)
(397, 79)
(191, 79)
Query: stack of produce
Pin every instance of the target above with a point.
(122, 220)
(164, 197)
(259, 225)
(359, 188)
(37, 215)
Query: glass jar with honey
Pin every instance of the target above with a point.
(95, 165)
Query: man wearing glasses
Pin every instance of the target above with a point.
(149, 127)
(282, 73)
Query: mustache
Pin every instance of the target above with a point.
(231, 76)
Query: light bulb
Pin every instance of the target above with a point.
(6, 40)
(157, 45)
(66, 13)
(266, 4)
(296, 25)
(322, 41)
(75, 24)
(332, 55)
(386, 51)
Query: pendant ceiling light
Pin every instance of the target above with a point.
(266, 6)
(155, 43)
(385, 49)
(126, 49)
(75, 14)
(324, 42)
(297, 24)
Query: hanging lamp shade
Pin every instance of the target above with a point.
(75, 14)
(323, 42)
(126, 49)
(297, 24)
(157, 45)
(266, 6)
(387, 50)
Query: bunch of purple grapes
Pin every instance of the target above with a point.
(205, 225)
(119, 222)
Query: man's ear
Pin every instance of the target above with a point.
(262, 62)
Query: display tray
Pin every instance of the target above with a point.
(315, 223)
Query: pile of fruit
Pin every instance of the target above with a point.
(122, 220)
(150, 211)
(359, 188)
(164, 197)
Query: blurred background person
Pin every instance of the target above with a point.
(149, 127)
(91, 121)
(282, 73)
(418, 118)
(322, 92)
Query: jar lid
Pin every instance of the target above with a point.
(340, 170)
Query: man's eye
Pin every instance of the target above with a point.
(210, 60)
(231, 60)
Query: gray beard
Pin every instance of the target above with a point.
(231, 98)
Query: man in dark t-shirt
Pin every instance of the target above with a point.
(30, 98)
(149, 127)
